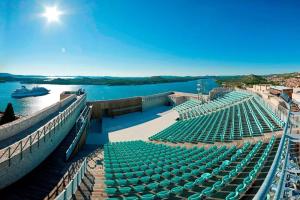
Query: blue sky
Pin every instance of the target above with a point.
(144, 38)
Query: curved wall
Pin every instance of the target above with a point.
(22, 163)
(15, 127)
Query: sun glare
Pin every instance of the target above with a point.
(52, 14)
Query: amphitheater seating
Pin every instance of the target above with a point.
(192, 109)
(187, 105)
(141, 170)
(246, 119)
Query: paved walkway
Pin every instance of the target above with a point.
(133, 126)
(26, 132)
(48, 179)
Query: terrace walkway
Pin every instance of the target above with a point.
(9, 141)
(46, 181)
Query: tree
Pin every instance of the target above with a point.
(9, 114)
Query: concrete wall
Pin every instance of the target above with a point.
(117, 107)
(156, 100)
(17, 126)
(264, 88)
(22, 163)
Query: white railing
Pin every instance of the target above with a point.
(81, 123)
(264, 190)
(50, 127)
(71, 188)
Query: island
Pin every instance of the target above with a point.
(106, 80)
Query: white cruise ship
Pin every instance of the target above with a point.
(25, 92)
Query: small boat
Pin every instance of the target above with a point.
(25, 92)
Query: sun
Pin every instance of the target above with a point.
(52, 14)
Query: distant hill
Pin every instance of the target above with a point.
(82, 80)
(5, 75)
(230, 81)
(241, 80)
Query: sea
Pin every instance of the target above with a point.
(29, 105)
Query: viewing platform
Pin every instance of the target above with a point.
(25, 143)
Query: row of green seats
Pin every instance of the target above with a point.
(241, 120)
(203, 173)
(220, 103)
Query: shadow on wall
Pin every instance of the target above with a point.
(99, 129)
(132, 119)
(96, 136)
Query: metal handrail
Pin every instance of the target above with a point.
(281, 184)
(17, 148)
(265, 187)
(65, 179)
(85, 114)
(72, 186)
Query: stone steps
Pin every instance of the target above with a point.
(95, 176)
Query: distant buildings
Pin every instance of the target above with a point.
(278, 90)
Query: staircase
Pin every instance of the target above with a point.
(92, 186)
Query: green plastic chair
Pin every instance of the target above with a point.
(165, 183)
(183, 168)
(216, 171)
(145, 179)
(149, 172)
(241, 188)
(111, 191)
(177, 190)
(131, 198)
(133, 181)
(217, 185)
(188, 185)
(232, 196)
(166, 174)
(176, 179)
(206, 176)
(196, 196)
(207, 191)
(144, 167)
(108, 176)
(119, 175)
(148, 197)
(186, 176)
(175, 171)
(195, 172)
(109, 183)
(139, 188)
(155, 177)
(122, 182)
(152, 186)
(226, 179)
(248, 180)
(158, 170)
(129, 174)
(163, 194)
(139, 173)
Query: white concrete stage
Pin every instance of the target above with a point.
(133, 126)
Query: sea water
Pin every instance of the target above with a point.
(30, 105)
